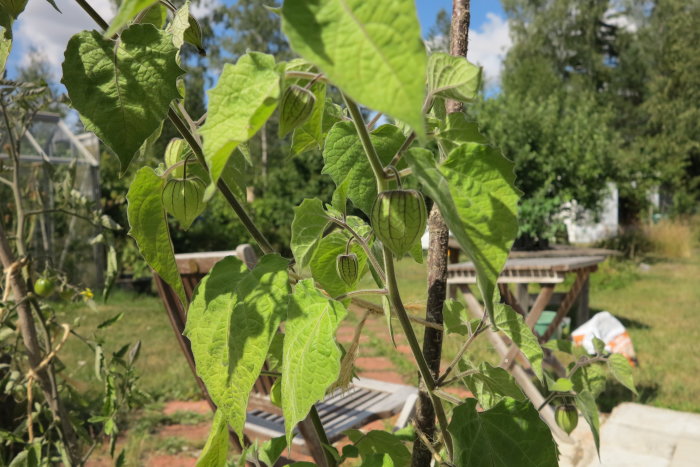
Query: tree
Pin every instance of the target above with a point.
(564, 112)
(672, 107)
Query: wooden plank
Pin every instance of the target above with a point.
(563, 264)
(569, 299)
(583, 311)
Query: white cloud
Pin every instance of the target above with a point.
(44, 29)
(488, 46)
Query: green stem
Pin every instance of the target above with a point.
(372, 156)
(362, 292)
(423, 368)
(321, 432)
(391, 283)
(479, 329)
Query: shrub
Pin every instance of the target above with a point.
(670, 238)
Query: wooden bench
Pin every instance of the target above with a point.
(364, 401)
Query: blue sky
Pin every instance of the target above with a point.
(41, 28)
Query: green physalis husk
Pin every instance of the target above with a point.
(398, 218)
(176, 150)
(347, 267)
(566, 417)
(183, 198)
(295, 108)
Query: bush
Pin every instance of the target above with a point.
(632, 242)
(670, 238)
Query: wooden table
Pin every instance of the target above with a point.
(521, 271)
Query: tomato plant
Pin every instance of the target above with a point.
(125, 83)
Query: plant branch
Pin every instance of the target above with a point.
(372, 156)
(406, 144)
(362, 292)
(456, 377)
(374, 120)
(479, 329)
(584, 362)
(93, 14)
(321, 432)
(392, 285)
(423, 367)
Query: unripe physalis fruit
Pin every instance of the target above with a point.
(184, 199)
(296, 107)
(347, 268)
(567, 417)
(398, 219)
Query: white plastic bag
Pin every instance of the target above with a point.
(610, 330)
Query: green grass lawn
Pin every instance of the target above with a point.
(660, 307)
(163, 370)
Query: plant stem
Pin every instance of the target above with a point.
(93, 14)
(321, 432)
(479, 329)
(362, 292)
(392, 285)
(397, 157)
(423, 367)
(372, 156)
(27, 327)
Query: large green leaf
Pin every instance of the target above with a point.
(344, 159)
(310, 221)
(380, 442)
(239, 105)
(452, 77)
(149, 227)
(311, 361)
(231, 322)
(5, 47)
(510, 433)
(180, 24)
(372, 50)
(513, 325)
(491, 384)
(122, 89)
(215, 451)
(481, 182)
(323, 263)
(585, 402)
(456, 130)
(455, 317)
(475, 193)
(128, 9)
(622, 370)
(591, 378)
